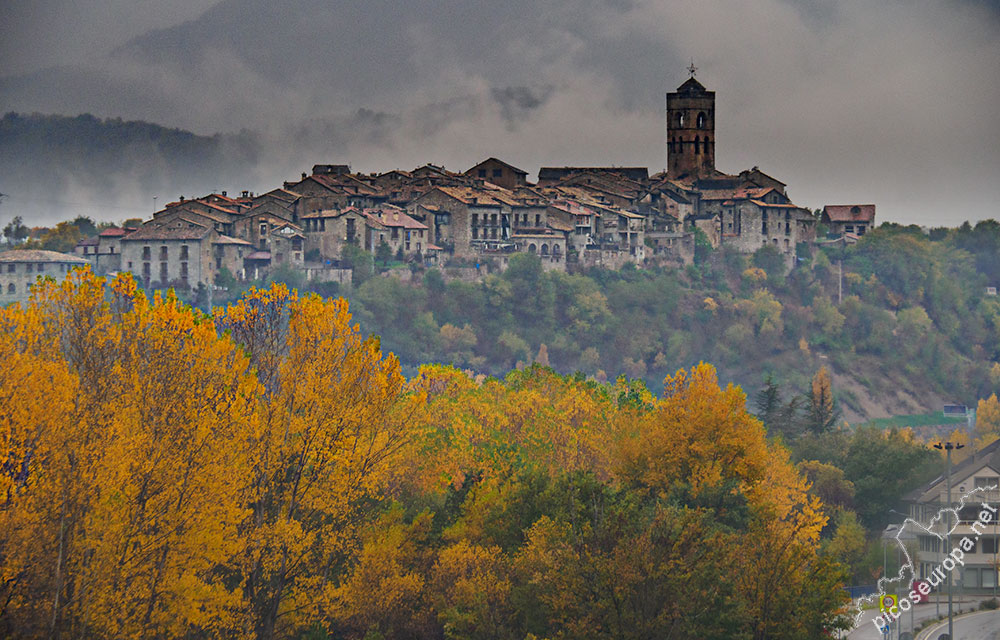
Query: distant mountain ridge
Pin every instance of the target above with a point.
(51, 163)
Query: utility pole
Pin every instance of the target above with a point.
(840, 282)
(948, 446)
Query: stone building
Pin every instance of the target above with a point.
(20, 268)
(690, 130)
(842, 219)
(499, 173)
(171, 252)
(329, 230)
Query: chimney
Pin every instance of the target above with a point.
(304, 175)
(182, 198)
(246, 194)
(224, 194)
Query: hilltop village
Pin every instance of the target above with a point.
(572, 217)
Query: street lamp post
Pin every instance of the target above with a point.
(948, 446)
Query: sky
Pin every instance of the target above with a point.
(852, 101)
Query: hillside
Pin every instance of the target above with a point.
(915, 327)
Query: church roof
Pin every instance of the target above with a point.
(691, 86)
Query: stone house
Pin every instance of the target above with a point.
(287, 246)
(174, 251)
(499, 173)
(20, 268)
(467, 218)
(842, 219)
(230, 253)
(580, 218)
(256, 227)
(327, 231)
(399, 230)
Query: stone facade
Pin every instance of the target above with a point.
(690, 130)
(499, 173)
(21, 268)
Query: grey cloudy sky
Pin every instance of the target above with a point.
(887, 101)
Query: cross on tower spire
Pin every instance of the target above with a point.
(692, 69)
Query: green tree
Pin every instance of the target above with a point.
(15, 231)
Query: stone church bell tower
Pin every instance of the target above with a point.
(690, 130)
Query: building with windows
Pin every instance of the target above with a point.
(173, 252)
(979, 471)
(21, 268)
(842, 219)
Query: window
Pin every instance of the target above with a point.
(982, 483)
(146, 270)
(475, 219)
(395, 233)
(40, 267)
(482, 173)
(184, 252)
(970, 577)
(697, 144)
(163, 272)
(706, 144)
(849, 228)
(163, 252)
(263, 228)
(989, 545)
(11, 289)
(28, 267)
(497, 173)
(147, 253)
(11, 268)
(989, 578)
(701, 120)
(538, 219)
(475, 233)
(184, 271)
(130, 265)
(680, 120)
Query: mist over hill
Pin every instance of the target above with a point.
(56, 167)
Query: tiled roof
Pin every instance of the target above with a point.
(113, 232)
(396, 218)
(231, 240)
(178, 228)
(259, 255)
(39, 255)
(480, 197)
(849, 212)
(498, 161)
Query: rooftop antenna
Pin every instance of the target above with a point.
(692, 69)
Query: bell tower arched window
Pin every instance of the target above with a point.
(701, 120)
(680, 120)
(697, 144)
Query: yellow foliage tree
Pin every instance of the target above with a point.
(987, 421)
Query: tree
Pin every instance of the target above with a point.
(328, 430)
(85, 225)
(987, 421)
(823, 412)
(383, 253)
(15, 231)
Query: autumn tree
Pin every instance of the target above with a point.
(987, 420)
(328, 427)
(823, 412)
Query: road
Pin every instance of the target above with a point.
(983, 625)
(866, 629)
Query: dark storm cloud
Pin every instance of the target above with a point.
(890, 102)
